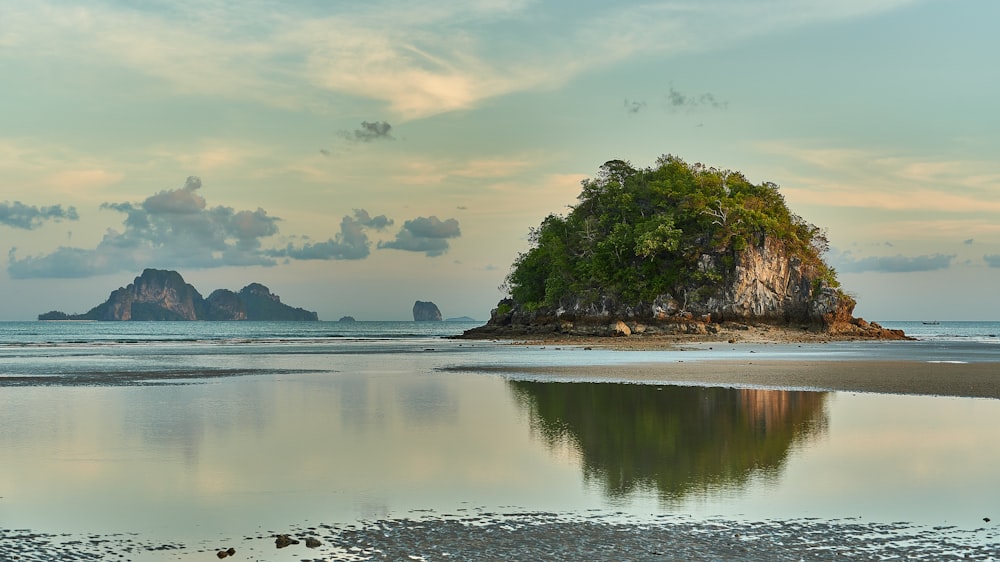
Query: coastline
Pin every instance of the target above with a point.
(879, 373)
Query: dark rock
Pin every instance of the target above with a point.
(281, 541)
(54, 315)
(163, 295)
(312, 542)
(347, 319)
(426, 312)
(224, 304)
(261, 304)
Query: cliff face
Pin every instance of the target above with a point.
(154, 295)
(163, 295)
(766, 286)
(426, 312)
(224, 304)
(261, 304)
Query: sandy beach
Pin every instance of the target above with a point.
(877, 375)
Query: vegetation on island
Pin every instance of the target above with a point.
(639, 233)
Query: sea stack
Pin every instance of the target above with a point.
(426, 312)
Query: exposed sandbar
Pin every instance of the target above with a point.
(975, 380)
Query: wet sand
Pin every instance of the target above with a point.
(971, 380)
(488, 536)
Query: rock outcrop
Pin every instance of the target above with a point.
(426, 312)
(262, 304)
(767, 286)
(164, 295)
(154, 295)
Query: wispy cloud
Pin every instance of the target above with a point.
(419, 58)
(370, 131)
(872, 179)
(676, 100)
(27, 217)
(847, 263)
(632, 106)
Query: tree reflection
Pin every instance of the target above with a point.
(673, 440)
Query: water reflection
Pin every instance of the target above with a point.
(673, 441)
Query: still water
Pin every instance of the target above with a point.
(193, 436)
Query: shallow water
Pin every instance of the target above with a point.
(187, 439)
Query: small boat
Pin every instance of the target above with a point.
(931, 323)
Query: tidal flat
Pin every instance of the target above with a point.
(388, 448)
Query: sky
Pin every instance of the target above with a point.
(358, 156)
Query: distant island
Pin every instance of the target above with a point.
(460, 319)
(164, 295)
(425, 311)
(675, 248)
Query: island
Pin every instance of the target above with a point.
(425, 311)
(675, 248)
(164, 295)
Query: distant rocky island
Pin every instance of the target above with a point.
(424, 311)
(164, 295)
(675, 248)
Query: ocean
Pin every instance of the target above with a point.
(166, 440)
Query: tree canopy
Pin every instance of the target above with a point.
(639, 233)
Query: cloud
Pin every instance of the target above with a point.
(419, 58)
(992, 260)
(351, 243)
(19, 215)
(677, 100)
(370, 131)
(851, 177)
(845, 262)
(633, 107)
(172, 228)
(424, 234)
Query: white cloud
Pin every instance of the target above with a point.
(836, 177)
(420, 59)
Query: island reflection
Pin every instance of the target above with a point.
(673, 441)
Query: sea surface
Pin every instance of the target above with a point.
(165, 439)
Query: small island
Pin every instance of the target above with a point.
(164, 295)
(675, 249)
(426, 311)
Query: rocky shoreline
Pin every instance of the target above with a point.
(640, 335)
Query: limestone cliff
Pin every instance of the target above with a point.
(766, 286)
(426, 312)
(262, 304)
(154, 295)
(164, 295)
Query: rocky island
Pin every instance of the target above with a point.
(425, 311)
(672, 249)
(164, 295)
